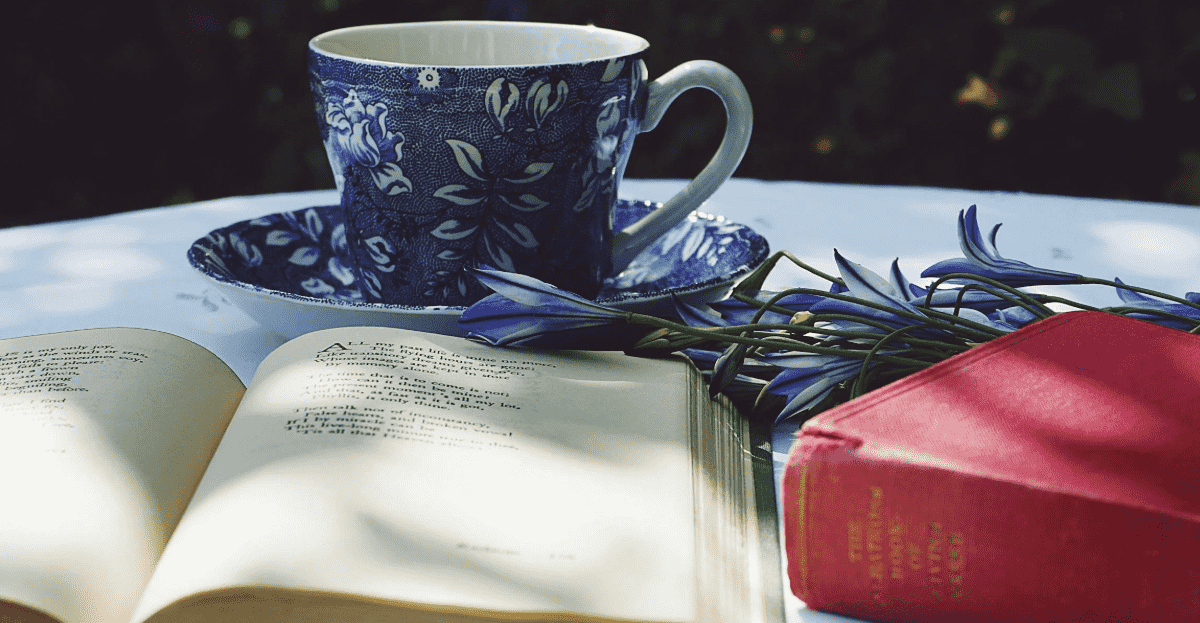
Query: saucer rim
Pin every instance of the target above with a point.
(196, 260)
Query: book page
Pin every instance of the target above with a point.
(432, 472)
(104, 435)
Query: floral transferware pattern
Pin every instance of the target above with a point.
(525, 181)
(359, 135)
(303, 254)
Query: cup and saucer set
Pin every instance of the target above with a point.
(500, 144)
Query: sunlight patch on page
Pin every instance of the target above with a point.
(98, 553)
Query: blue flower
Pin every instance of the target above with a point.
(982, 259)
(706, 360)
(1142, 301)
(359, 134)
(865, 285)
(945, 297)
(975, 304)
(737, 312)
(726, 368)
(697, 317)
(744, 388)
(528, 312)
(807, 379)
(1012, 318)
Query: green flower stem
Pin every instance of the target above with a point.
(1132, 288)
(987, 333)
(754, 281)
(887, 375)
(810, 326)
(1038, 310)
(1028, 298)
(654, 321)
(717, 335)
(866, 335)
(1125, 311)
(860, 382)
(882, 326)
(938, 320)
(746, 298)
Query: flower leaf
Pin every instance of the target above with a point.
(533, 173)
(305, 256)
(454, 229)
(340, 271)
(469, 159)
(525, 202)
(317, 287)
(613, 69)
(519, 232)
(498, 254)
(459, 194)
(280, 237)
(451, 255)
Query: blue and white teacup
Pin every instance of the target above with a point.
(459, 144)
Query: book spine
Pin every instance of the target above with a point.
(890, 541)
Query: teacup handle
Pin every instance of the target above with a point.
(717, 78)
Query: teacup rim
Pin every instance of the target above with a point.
(313, 44)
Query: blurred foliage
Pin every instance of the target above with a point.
(130, 105)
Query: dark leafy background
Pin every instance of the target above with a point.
(126, 105)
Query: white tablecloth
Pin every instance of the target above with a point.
(129, 269)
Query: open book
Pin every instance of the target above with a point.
(374, 474)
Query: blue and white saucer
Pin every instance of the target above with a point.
(290, 271)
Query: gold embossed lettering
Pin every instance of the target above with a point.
(896, 548)
(914, 556)
(956, 563)
(933, 555)
(875, 552)
(854, 535)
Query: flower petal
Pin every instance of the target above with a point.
(501, 321)
(984, 260)
(1135, 299)
(736, 312)
(390, 179)
(1012, 318)
(459, 194)
(694, 316)
(531, 292)
(868, 286)
(726, 368)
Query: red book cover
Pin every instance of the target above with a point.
(1050, 475)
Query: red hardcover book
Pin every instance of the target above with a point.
(1050, 475)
